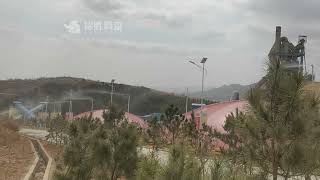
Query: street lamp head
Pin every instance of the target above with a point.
(112, 81)
(192, 62)
(204, 60)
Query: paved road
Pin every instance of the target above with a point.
(35, 133)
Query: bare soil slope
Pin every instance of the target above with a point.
(16, 155)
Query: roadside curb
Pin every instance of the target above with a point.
(48, 174)
(30, 172)
(50, 164)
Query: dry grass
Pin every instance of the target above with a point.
(16, 155)
(55, 151)
(10, 125)
(313, 88)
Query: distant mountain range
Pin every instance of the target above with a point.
(224, 92)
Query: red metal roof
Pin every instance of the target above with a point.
(216, 117)
(131, 117)
(217, 113)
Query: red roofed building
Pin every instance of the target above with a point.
(131, 117)
(214, 115)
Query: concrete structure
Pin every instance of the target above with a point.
(13, 112)
(235, 96)
(291, 56)
(26, 112)
(30, 173)
(40, 153)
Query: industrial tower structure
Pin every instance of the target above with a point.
(292, 57)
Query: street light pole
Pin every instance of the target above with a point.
(202, 82)
(203, 61)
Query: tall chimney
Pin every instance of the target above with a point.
(277, 41)
(278, 33)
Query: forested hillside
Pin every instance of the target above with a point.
(32, 91)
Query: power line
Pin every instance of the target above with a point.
(9, 94)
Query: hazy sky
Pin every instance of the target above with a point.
(157, 40)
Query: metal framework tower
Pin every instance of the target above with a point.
(291, 56)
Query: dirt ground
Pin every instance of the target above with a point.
(313, 87)
(16, 155)
(55, 151)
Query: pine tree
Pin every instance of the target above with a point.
(278, 129)
(101, 151)
(172, 123)
(201, 141)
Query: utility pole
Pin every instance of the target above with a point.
(112, 82)
(186, 101)
(70, 102)
(312, 72)
(47, 103)
(128, 103)
(91, 104)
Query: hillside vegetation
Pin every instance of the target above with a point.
(224, 92)
(32, 91)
